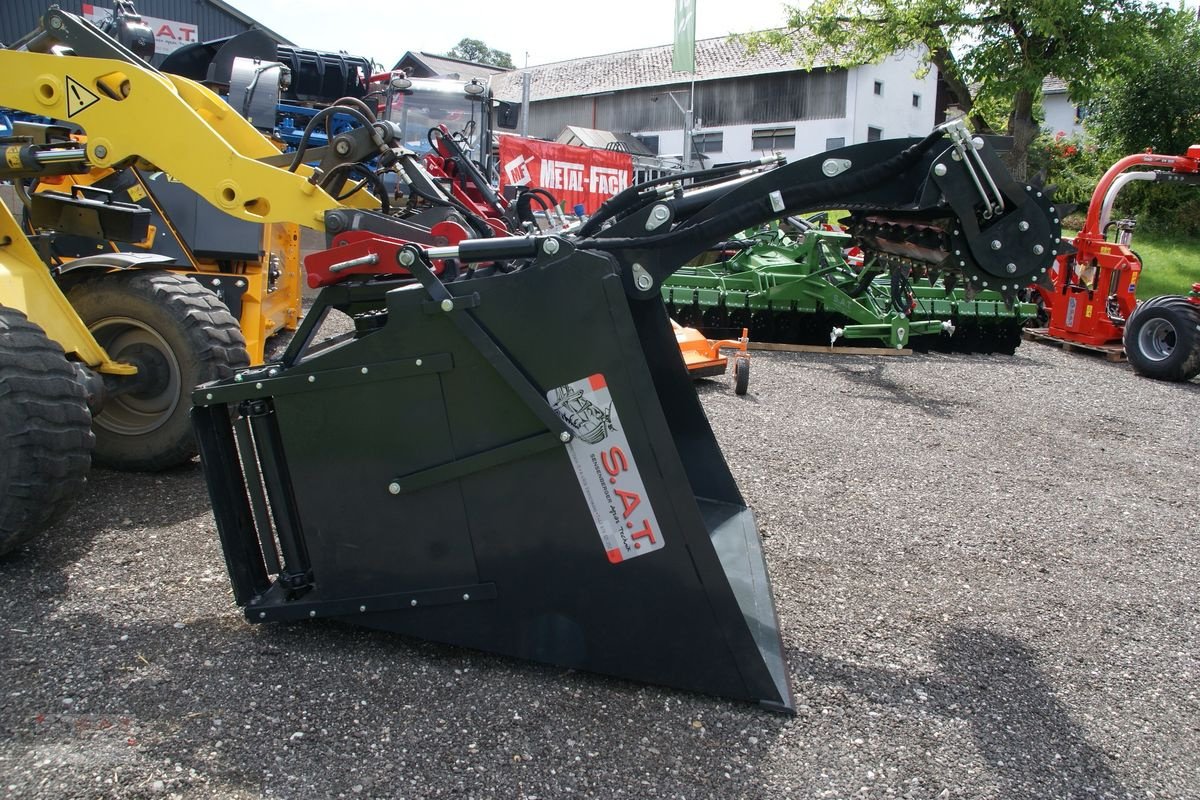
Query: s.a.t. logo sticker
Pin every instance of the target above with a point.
(606, 470)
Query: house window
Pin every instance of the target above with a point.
(712, 142)
(916, 101)
(874, 134)
(773, 138)
(879, 88)
(1081, 113)
(651, 143)
(835, 142)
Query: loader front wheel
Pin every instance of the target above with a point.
(45, 431)
(178, 334)
(1162, 339)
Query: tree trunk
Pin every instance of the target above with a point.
(947, 66)
(1023, 128)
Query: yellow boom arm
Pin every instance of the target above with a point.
(179, 126)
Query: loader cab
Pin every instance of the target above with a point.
(466, 108)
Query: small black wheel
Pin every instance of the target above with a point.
(178, 334)
(741, 375)
(45, 430)
(1162, 338)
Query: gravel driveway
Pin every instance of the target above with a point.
(985, 568)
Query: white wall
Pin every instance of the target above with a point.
(892, 112)
(737, 140)
(1059, 114)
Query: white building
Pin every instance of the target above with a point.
(744, 104)
(1059, 113)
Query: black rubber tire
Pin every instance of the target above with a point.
(1162, 339)
(45, 431)
(180, 335)
(741, 375)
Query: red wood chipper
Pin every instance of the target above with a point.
(1091, 294)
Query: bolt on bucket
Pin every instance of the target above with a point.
(517, 464)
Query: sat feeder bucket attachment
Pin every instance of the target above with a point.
(535, 490)
(515, 460)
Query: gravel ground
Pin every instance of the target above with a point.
(985, 569)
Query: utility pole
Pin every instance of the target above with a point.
(687, 125)
(525, 81)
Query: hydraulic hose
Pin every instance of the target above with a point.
(544, 198)
(320, 116)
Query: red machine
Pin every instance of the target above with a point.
(1091, 296)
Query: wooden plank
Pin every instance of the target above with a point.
(1109, 352)
(816, 348)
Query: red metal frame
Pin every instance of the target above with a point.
(1094, 289)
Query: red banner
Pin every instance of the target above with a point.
(575, 175)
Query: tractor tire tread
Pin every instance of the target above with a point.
(207, 325)
(45, 431)
(1184, 316)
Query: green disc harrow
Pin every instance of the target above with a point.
(798, 286)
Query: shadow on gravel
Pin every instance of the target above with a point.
(710, 386)
(111, 502)
(312, 709)
(991, 681)
(877, 385)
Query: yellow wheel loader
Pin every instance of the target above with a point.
(505, 450)
(126, 331)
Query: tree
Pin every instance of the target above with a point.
(477, 51)
(990, 53)
(1153, 99)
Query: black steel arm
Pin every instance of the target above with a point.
(994, 226)
(61, 28)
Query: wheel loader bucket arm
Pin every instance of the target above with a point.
(195, 136)
(130, 110)
(26, 284)
(977, 220)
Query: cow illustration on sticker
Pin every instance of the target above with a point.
(590, 422)
(606, 470)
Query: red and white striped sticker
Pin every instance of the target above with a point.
(606, 470)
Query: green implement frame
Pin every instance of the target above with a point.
(802, 289)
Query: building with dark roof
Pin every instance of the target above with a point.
(174, 22)
(417, 64)
(745, 103)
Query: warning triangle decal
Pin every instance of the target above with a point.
(79, 97)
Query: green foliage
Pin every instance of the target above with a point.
(1162, 209)
(1070, 163)
(475, 50)
(1170, 264)
(1002, 48)
(1153, 98)
(1074, 167)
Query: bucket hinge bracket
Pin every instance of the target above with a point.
(459, 311)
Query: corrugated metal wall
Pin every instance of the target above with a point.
(783, 97)
(19, 17)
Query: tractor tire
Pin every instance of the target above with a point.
(1162, 339)
(179, 334)
(45, 431)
